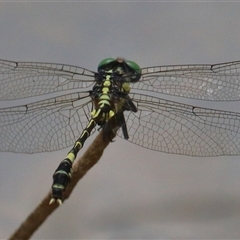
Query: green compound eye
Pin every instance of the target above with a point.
(105, 62)
(134, 66)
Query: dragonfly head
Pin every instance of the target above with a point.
(129, 70)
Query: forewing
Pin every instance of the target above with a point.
(207, 82)
(27, 79)
(47, 125)
(177, 128)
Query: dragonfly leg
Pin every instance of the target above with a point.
(62, 175)
(121, 122)
(128, 106)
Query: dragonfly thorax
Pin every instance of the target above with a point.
(110, 98)
(106, 91)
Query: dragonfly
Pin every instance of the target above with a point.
(55, 106)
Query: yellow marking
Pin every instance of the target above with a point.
(104, 97)
(71, 157)
(94, 115)
(102, 102)
(99, 111)
(111, 113)
(126, 87)
(78, 144)
(93, 122)
(105, 90)
(90, 123)
(108, 76)
(107, 83)
(93, 112)
(84, 132)
(62, 172)
(59, 186)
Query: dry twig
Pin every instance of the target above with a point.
(43, 210)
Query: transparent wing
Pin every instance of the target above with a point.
(27, 79)
(207, 82)
(177, 128)
(46, 125)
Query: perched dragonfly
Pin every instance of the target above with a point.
(65, 103)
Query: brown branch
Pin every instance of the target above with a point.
(43, 210)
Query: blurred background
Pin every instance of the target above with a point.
(132, 192)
